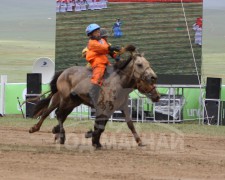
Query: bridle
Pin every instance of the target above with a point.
(142, 75)
(137, 79)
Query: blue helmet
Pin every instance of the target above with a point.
(91, 28)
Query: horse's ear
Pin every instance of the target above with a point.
(130, 48)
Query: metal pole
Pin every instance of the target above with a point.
(142, 111)
(20, 107)
(2, 94)
(137, 109)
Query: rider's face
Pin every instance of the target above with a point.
(96, 33)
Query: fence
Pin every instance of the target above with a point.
(141, 108)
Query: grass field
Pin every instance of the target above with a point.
(19, 56)
(27, 32)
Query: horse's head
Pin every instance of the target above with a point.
(142, 73)
(141, 67)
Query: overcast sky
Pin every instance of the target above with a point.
(212, 4)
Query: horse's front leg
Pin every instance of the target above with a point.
(99, 128)
(130, 125)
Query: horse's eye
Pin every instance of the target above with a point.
(139, 65)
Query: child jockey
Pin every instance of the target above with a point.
(96, 55)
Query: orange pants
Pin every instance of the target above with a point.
(98, 73)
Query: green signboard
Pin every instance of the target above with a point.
(192, 106)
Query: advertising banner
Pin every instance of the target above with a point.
(191, 98)
(15, 93)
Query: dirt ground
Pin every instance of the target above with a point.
(164, 156)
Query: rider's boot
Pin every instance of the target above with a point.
(94, 94)
(73, 94)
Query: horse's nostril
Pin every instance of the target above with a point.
(153, 79)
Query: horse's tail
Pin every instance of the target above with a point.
(53, 86)
(44, 103)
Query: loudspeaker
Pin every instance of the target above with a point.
(212, 111)
(34, 83)
(31, 101)
(213, 88)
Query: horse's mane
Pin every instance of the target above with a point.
(122, 64)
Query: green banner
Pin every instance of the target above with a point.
(192, 107)
(15, 92)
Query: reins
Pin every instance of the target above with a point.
(133, 70)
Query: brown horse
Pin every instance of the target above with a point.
(130, 74)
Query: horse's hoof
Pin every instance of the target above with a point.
(62, 139)
(56, 138)
(139, 142)
(88, 134)
(33, 129)
(97, 146)
(141, 145)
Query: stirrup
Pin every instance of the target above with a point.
(73, 94)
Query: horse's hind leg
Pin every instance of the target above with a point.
(65, 108)
(53, 104)
(99, 128)
(58, 130)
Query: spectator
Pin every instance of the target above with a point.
(70, 5)
(58, 4)
(77, 5)
(197, 27)
(83, 5)
(63, 6)
(117, 29)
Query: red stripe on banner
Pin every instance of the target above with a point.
(163, 1)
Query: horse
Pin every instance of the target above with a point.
(120, 80)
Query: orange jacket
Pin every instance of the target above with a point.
(97, 52)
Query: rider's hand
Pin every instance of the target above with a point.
(117, 58)
(114, 48)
